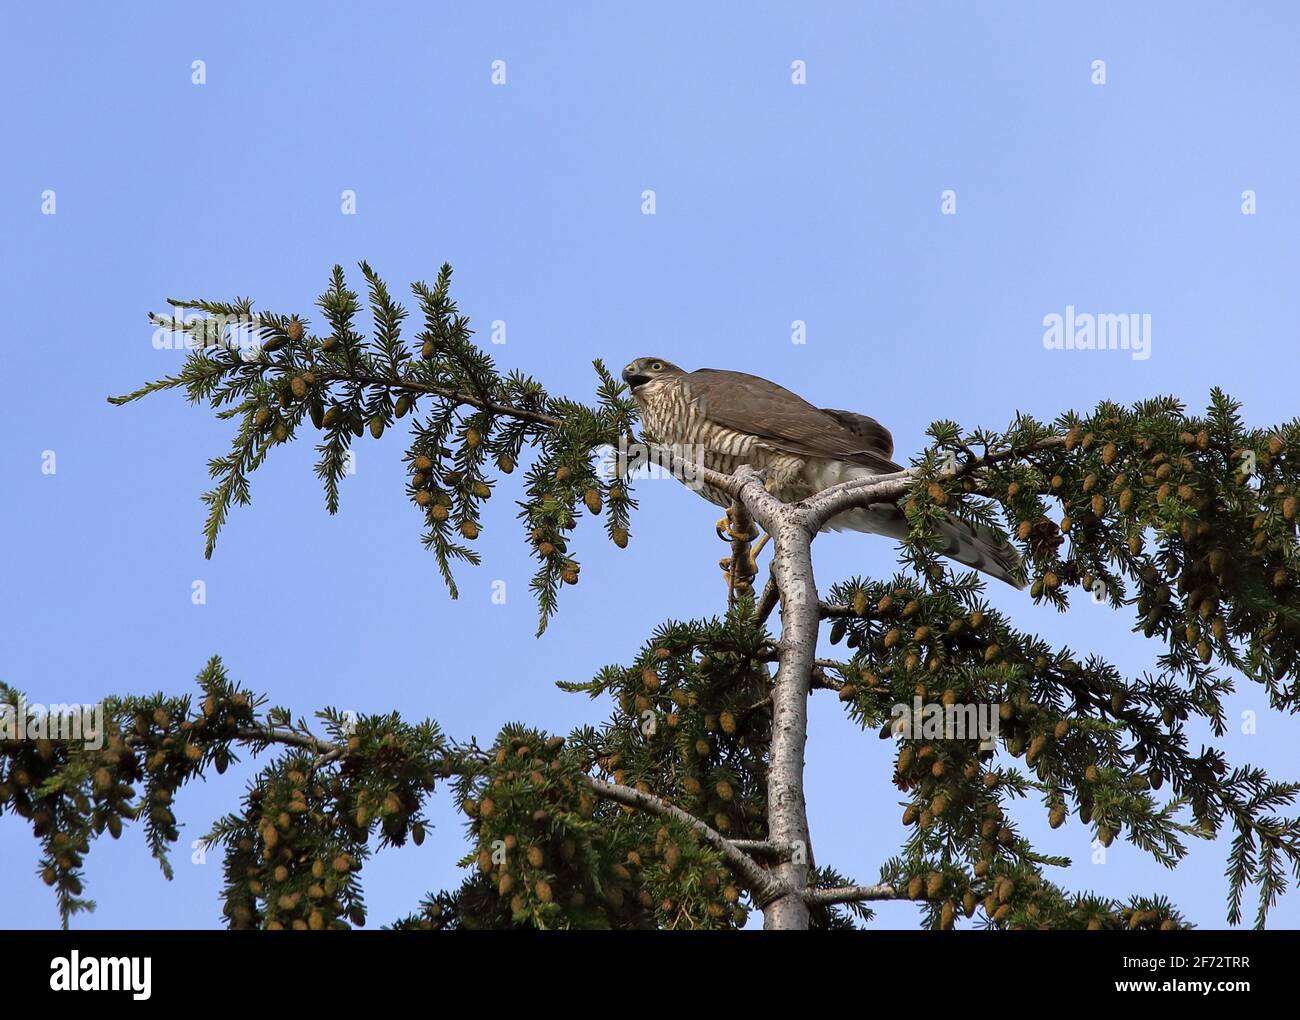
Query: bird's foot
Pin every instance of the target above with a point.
(726, 530)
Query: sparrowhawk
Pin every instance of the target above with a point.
(733, 418)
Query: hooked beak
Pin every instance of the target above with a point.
(634, 379)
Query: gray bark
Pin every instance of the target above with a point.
(793, 527)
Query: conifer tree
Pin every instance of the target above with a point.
(686, 809)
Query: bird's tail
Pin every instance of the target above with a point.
(979, 546)
(973, 545)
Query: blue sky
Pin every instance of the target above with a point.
(775, 202)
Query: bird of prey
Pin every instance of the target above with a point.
(736, 418)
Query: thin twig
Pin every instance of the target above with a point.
(456, 396)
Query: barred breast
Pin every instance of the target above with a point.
(676, 421)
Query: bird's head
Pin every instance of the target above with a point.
(644, 370)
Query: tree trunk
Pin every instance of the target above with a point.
(786, 807)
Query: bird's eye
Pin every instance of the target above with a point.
(657, 366)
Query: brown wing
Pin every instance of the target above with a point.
(787, 422)
(875, 435)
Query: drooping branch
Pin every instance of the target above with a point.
(404, 384)
(763, 885)
(737, 853)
